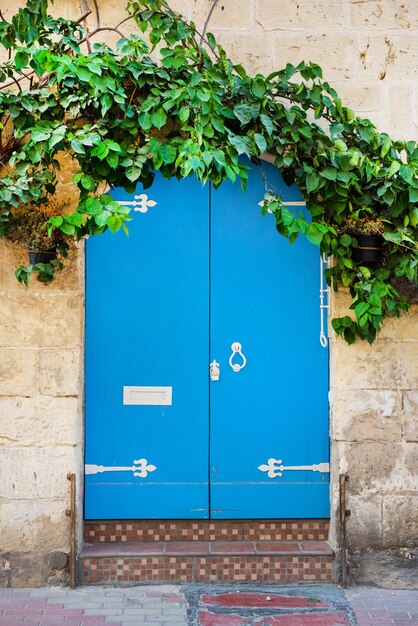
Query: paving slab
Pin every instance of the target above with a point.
(383, 607)
(209, 605)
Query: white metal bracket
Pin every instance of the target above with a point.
(275, 468)
(139, 468)
(324, 294)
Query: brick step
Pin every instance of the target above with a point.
(210, 561)
(206, 530)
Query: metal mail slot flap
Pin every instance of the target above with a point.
(147, 396)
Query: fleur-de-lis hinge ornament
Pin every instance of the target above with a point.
(140, 203)
(140, 468)
(275, 468)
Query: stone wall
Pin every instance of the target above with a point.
(41, 413)
(369, 52)
(374, 434)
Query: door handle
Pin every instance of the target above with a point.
(214, 371)
(237, 349)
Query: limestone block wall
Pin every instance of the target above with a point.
(41, 383)
(369, 52)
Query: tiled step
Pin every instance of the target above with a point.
(206, 530)
(217, 561)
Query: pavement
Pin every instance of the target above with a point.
(209, 605)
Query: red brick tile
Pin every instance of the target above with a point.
(187, 547)
(211, 619)
(138, 549)
(316, 547)
(232, 547)
(278, 547)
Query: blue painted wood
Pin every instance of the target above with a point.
(264, 294)
(147, 323)
(155, 301)
(262, 500)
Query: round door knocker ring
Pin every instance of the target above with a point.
(237, 349)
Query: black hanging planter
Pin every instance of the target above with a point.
(369, 249)
(42, 256)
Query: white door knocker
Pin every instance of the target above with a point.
(237, 349)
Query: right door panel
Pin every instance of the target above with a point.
(264, 295)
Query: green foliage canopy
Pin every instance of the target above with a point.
(121, 115)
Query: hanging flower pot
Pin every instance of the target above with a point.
(42, 256)
(369, 249)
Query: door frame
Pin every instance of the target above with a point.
(333, 485)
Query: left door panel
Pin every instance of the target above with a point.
(147, 325)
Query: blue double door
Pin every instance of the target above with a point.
(206, 385)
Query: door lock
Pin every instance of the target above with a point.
(214, 371)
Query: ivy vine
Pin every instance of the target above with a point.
(173, 101)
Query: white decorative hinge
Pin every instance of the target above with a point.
(139, 468)
(291, 203)
(324, 292)
(140, 203)
(275, 468)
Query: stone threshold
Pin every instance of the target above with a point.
(207, 548)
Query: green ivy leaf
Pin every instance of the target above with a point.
(243, 113)
(330, 173)
(413, 195)
(267, 123)
(261, 142)
(21, 59)
(133, 173)
(159, 118)
(312, 182)
(258, 87)
(87, 182)
(243, 145)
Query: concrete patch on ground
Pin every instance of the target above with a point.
(267, 606)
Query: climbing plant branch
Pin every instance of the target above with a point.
(187, 110)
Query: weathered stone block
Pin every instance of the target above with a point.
(28, 570)
(400, 520)
(406, 327)
(365, 415)
(39, 421)
(302, 15)
(68, 281)
(35, 473)
(5, 572)
(400, 112)
(387, 57)
(383, 365)
(29, 319)
(379, 467)
(35, 525)
(364, 99)
(254, 52)
(60, 372)
(390, 569)
(226, 15)
(364, 524)
(340, 303)
(336, 53)
(410, 416)
(17, 372)
(383, 14)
